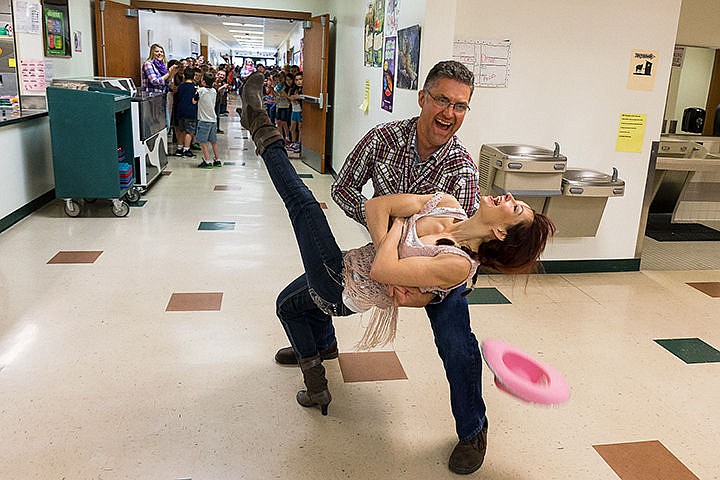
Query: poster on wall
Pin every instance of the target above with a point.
(32, 75)
(77, 41)
(489, 60)
(408, 57)
(678, 56)
(388, 83)
(642, 70)
(368, 35)
(378, 30)
(56, 29)
(391, 17)
(26, 14)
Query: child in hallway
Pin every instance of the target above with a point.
(296, 113)
(186, 114)
(207, 118)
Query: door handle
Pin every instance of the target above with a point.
(311, 99)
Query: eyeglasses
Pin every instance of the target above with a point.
(444, 103)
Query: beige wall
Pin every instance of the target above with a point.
(568, 83)
(699, 23)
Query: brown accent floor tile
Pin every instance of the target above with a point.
(75, 257)
(711, 289)
(194, 302)
(371, 367)
(643, 461)
(166, 172)
(227, 187)
(323, 205)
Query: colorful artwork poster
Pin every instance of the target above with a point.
(388, 82)
(56, 28)
(408, 57)
(369, 34)
(378, 29)
(391, 17)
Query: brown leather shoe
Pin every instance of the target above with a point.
(468, 456)
(286, 356)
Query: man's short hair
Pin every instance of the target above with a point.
(452, 70)
(189, 73)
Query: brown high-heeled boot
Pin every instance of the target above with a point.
(253, 115)
(317, 393)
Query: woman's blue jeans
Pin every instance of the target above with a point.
(459, 351)
(306, 306)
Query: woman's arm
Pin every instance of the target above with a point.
(380, 210)
(444, 270)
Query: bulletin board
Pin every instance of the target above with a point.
(56, 28)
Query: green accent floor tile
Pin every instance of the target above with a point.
(139, 203)
(229, 163)
(690, 350)
(217, 226)
(305, 175)
(486, 296)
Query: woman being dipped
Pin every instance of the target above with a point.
(424, 243)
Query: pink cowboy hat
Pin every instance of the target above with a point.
(522, 376)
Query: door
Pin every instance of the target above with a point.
(119, 33)
(316, 47)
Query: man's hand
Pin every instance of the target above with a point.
(409, 296)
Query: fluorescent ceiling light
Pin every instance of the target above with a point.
(231, 24)
(246, 32)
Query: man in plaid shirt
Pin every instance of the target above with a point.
(422, 155)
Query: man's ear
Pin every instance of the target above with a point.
(500, 233)
(421, 98)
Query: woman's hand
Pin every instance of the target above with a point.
(408, 296)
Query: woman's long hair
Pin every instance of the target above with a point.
(519, 252)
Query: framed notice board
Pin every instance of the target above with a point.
(56, 28)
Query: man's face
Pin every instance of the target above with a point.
(436, 124)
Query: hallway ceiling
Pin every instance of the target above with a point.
(270, 31)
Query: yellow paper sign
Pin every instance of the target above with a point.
(11, 63)
(366, 101)
(631, 132)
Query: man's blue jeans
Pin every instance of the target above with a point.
(306, 306)
(459, 351)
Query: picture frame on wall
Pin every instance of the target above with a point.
(57, 39)
(194, 47)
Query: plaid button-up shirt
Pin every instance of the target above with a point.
(387, 155)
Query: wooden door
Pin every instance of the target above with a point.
(121, 34)
(713, 99)
(316, 45)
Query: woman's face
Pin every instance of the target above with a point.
(158, 53)
(298, 80)
(504, 211)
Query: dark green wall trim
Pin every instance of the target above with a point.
(26, 210)
(591, 266)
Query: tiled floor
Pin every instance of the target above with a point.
(109, 370)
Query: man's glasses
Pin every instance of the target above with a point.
(442, 102)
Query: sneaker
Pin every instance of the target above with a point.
(204, 164)
(221, 131)
(468, 456)
(217, 163)
(293, 147)
(179, 152)
(188, 153)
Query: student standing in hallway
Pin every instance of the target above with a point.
(206, 125)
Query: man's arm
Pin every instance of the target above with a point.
(356, 171)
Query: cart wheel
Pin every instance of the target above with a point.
(120, 208)
(72, 208)
(132, 195)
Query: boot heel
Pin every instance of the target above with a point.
(317, 393)
(323, 409)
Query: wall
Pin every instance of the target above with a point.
(568, 77)
(689, 84)
(27, 157)
(699, 20)
(169, 30)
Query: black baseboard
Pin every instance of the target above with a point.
(25, 210)
(591, 266)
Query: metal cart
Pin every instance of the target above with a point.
(88, 126)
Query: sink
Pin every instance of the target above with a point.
(587, 177)
(527, 152)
